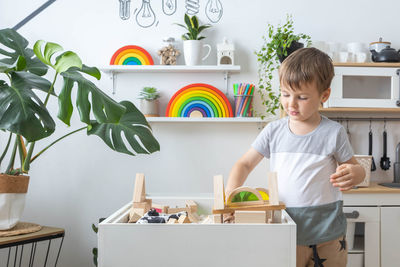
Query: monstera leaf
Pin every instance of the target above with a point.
(18, 51)
(133, 126)
(22, 111)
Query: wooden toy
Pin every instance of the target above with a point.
(140, 205)
(131, 55)
(245, 216)
(172, 221)
(183, 219)
(249, 199)
(199, 100)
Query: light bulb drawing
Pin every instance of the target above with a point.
(214, 10)
(169, 7)
(192, 7)
(145, 17)
(124, 9)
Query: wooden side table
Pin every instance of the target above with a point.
(46, 233)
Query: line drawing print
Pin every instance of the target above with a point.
(169, 7)
(145, 17)
(214, 10)
(124, 9)
(192, 7)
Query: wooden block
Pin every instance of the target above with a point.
(139, 194)
(183, 219)
(172, 221)
(192, 205)
(273, 188)
(243, 216)
(146, 205)
(164, 209)
(217, 218)
(219, 192)
(135, 215)
(276, 216)
(194, 217)
(176, 210)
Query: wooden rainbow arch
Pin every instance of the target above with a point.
(131, 55)
(199, 100)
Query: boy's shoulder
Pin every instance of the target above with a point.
(330, 125)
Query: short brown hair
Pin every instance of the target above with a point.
(307, 65)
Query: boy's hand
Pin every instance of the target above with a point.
(345, 176)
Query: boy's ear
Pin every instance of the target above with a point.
(325, 95)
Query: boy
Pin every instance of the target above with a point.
(313, 158)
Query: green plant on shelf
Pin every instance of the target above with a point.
(278, 43)
(193, 27)
(149, 93)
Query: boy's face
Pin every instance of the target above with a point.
(303, 104)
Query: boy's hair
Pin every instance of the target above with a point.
(307, 66)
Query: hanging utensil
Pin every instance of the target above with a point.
(373, 166)
(385, 161)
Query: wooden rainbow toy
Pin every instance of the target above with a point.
(131, 55)
(199, 100)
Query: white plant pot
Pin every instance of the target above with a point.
(149, 108)
(11, 208)
(193, 51)
(12, 199)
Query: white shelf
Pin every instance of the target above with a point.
(197, 120)
(169, 68)
(225, 70)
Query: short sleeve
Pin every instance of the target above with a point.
(344, 151)
(261, 143)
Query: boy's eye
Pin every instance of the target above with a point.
(302, 97)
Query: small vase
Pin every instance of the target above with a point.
(293, 47)
(193, 51)
(149, 108)
(13, 190)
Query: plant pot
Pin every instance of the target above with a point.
(193, 51)
(293, 47)
(149, 108)
(12, 199)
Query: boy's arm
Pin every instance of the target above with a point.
(242, 169)
(348, 174)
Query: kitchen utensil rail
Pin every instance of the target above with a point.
(363, 119)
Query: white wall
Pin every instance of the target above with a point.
(81, 180)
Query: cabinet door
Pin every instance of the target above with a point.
(390, 236)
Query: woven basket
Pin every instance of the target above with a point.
(365, 161)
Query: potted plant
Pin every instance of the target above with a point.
(26, 119)
(149, 101)
(279, 43)
(192, 45)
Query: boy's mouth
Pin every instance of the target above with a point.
(293, 113)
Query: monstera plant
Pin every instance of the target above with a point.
(25, 119)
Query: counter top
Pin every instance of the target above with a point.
(373, 188)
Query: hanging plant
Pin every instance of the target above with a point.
(278, 44)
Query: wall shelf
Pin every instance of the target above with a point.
(226, 70)
(360, 110)
(367, 64)
(260, 122)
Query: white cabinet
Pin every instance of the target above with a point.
(390, 236)
(369, 242)
(378, 211)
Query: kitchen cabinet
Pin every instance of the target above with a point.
(390, 236)
(378, 211)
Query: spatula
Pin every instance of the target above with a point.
(385, 161)
(373, 166)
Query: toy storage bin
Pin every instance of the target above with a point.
(182, 245)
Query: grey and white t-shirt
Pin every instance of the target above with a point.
(304, 164)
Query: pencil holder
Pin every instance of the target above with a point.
(243, 106)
